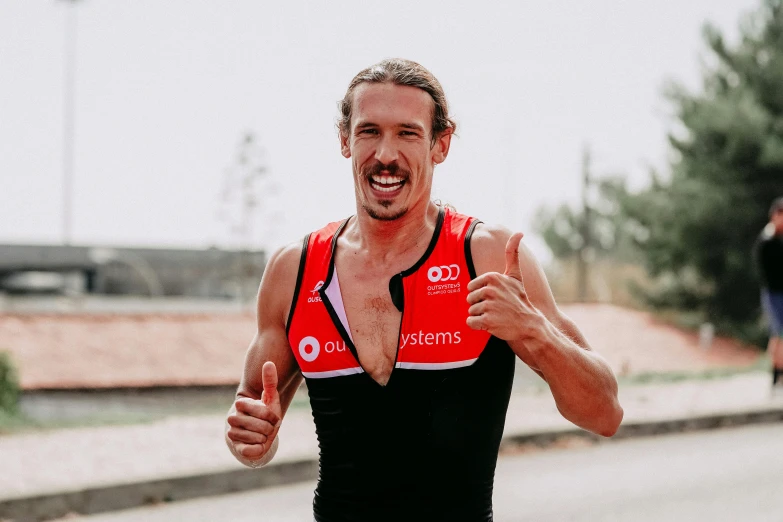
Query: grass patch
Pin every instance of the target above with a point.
(19, 423)
(11, 422)
(761, 364)
(9, 384)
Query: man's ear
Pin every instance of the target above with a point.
(441, 148)
(345, 146)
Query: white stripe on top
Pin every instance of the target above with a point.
(434, 366)
(332, 373)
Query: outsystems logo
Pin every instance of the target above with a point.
(309, 348)
(443, 273)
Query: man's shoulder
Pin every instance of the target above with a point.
(278, 284)
(283, 264)
(768, 241)
(487, 247)
(488, 236)
(769, 235)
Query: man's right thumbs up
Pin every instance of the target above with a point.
(269, 378)
(253, 424)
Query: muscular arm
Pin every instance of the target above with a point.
(583, 385)
(244, 433)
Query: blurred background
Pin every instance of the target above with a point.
(153, 155)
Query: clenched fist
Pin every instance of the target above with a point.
(254, 423)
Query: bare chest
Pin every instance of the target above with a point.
(374, 322)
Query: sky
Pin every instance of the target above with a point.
(164, 92)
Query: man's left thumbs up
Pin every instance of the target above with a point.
(512, 256)
(498, 302)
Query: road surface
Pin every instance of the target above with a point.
(726, 475)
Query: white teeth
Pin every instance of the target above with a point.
(386, 183)
(386, 180)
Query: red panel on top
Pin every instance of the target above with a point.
(433, 335)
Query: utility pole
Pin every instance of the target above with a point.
(69, 120)
(585, 251)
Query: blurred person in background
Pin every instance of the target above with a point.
(769, 257)
(408, 358)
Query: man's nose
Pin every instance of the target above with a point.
(386, 152)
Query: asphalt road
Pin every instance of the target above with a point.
(727, 475)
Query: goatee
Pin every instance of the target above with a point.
(384, 217)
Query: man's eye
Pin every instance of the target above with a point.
(368, 131)
(408, 133)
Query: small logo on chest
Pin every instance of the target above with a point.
(314, 297)
(442, 277)
(310, 347)
(443, 273)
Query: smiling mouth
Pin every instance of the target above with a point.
(386, 183)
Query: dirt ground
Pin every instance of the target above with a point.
(141, 350)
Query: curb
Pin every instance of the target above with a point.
(125, 496)
(649, 428)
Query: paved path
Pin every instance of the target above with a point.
(720, 476)
(72, 459)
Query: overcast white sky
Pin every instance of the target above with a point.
(166, 89)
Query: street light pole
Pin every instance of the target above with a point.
(69, 120)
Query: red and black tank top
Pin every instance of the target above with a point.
(423, 447)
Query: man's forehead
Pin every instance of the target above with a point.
(389, 101)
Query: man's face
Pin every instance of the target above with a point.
(391, 149)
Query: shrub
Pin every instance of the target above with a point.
(9, 385)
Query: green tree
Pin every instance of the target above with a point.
(594, 246)
(610, 234)
(9, 385)
(700, 224)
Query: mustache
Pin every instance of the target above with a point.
(393, 169)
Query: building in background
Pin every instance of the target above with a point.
(79, 270)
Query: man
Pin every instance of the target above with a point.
(409, 356)
(769, 257)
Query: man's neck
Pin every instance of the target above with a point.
(387, 240)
